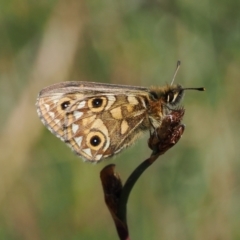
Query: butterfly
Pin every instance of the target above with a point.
(98, 120)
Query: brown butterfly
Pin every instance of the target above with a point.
(98, 120)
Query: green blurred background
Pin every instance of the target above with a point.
(193, 191)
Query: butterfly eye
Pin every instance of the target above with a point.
(65, 104)
(97, 102)
(95, 140)
(170, 97)
(174, 97)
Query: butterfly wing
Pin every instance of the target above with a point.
(95, 123)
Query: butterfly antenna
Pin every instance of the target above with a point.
(198, 89)
(178, 66)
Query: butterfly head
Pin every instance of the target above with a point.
(170, 95)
